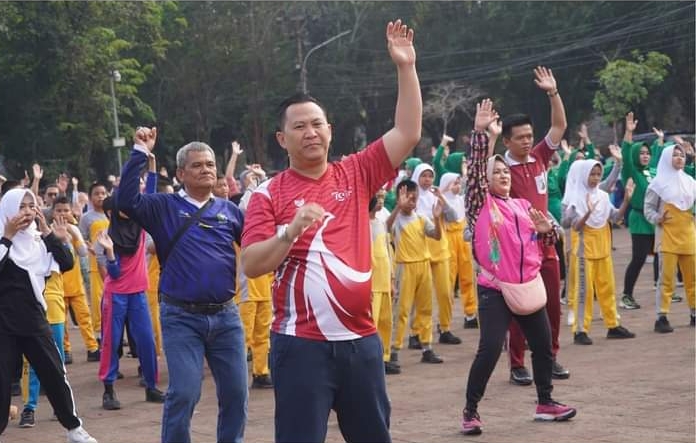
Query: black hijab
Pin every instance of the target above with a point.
(124, 232)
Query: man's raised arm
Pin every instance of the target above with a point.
(546, 81)
(404, 136)
(128, 197)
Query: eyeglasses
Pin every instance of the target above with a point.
(51, 194)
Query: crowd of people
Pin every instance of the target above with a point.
(258, 269)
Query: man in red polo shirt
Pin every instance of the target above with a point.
(310, 224)
(528, 165)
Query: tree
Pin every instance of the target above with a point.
(625, 83)
(445, 99)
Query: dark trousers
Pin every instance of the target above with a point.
(312, 377)
(494, 319)
(43, 356)
(552, 282)
(642, 245)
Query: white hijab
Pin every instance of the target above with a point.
(456, 201)
(577, 190)
(673, 186)
(426, 199)
(28, 251)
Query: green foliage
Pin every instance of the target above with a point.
(625, 83)
(215, 71)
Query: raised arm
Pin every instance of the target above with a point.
(231, 166)
(38, 174)
(403, 137)
(128, 198)
(608, 183)
(477, 184)
(546, 81)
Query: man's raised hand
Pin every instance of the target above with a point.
(544, 79)
(400, 44)
(145, 137)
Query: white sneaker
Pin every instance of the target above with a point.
(571, 317)
(79, 435)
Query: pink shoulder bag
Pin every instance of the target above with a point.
(521, 298)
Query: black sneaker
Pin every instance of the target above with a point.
(68, 358)
(692, 321)
(520, 376)
(119, 375)
(620, 332)
(394, 356)
(676, 298)
(559, 372)
(581, 338)
(154, 395)
(391, 368)
(93, 355)
(262, 382)
(414, 342)
(431, 357)
(662, 325)
(110, 402)
(471, 324)
(447, 338)
(27, 420)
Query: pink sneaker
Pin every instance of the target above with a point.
(554, 411)
(471, 423)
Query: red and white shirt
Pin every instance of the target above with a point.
(322, 289)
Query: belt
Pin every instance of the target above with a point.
(195, 308)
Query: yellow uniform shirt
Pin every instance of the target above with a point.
(73, 284)
(678, 231)
(409, 234)
(439, 249)
(381, 259)
(55, 304)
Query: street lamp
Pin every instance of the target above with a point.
(117, 142)
(303, 70)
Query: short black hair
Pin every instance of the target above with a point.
(96, 185)
(60, 200)
(9, 184)
(513, 120)
(373, 203)
(410, 185)
(293, 100)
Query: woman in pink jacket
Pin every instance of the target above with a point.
(505, 245)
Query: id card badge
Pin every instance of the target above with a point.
(541, 183)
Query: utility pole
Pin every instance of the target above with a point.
(303, 69)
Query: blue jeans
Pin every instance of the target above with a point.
(58, 331)
(312, 377)
(187, 338)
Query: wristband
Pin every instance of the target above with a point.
(552, 93)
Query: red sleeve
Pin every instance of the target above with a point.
(374, 166)
(232, 185)
(544, 151)
(259, 220)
